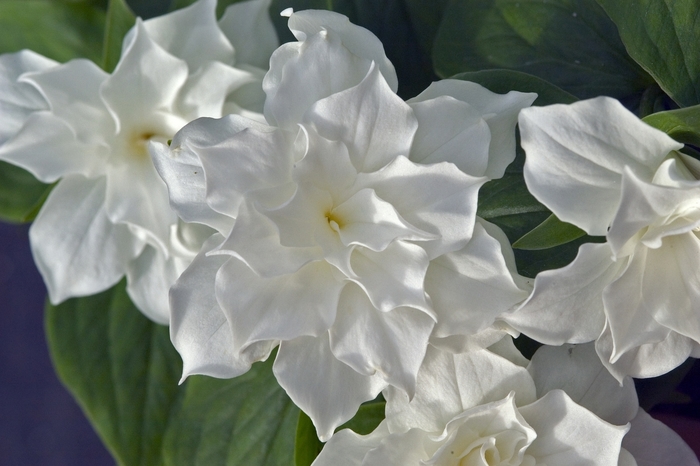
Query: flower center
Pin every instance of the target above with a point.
(138, 143)
(334, 221)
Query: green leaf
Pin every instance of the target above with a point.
(662, 36)
(571, 43)
(308, 446)
(21, 195)
(426, 18)
(503, 81)
(548, 234)
(120, 19)
(57, 30)
(124, 372)
(683, 125)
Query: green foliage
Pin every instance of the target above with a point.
(57, 30)
(124, 372)
(683, 125)
(548, 234)
(308, 446)
(120, 19)
(662, 36)
(571, 43)
(21, 195)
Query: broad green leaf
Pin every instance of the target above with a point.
(58, 30)
(571, 43)
(683, 124)
(124, 372)
(120, 19)
(308, 446)
(153, 5)
(548, 234)
(662, 36)
(426, 18)
(503, 81)
(21, 195)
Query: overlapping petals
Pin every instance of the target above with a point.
(90, 130)
(596, 165)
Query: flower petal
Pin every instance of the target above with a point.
(329, 391)
(578, 371)
(149, 278)
(652, 443)
(182, 172)
(303, 73)
(442, 200)
(77, 249)
(570, 434)
(451, 131)
(445, 386)
(500, 111)
(203, 42)
(146, 80)
(646, 360)
(244, 21)
(393, 277)
(346, 448)
(471, 287)
(390, 344)
(278, 308)
(566, 305)
(47, 147)
(576, 155)
(199, 329)
(255, 240)
(373, 122)
(18, 99)
(357, 39)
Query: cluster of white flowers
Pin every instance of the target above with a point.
(310, 209)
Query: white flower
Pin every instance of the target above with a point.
(338, 234)
(596, 165)
(485, 408)
(109, 214)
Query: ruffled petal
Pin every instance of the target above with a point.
(244, 21)
(147, 80)
(357, 39)
(203, 42)
(149, 278)
(566, 305)
(304, 73)
(48, 148)
(652, 443)
(278, 308)
(346, 448)
(451, 131)
(471, 287)
(576, 155)
(370, 119)
(183, 173)
(18, 99)
(77, 249)
(205, 92)
(647, 359)
(255, 240)
(445, 386)
(442, 200)
(393, 277)
(199, 329)
(578, 371)
(73, 93)
(570, 434)
(329, 391)
(390, 344)
(500, 111)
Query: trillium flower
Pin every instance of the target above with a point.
(561, 408)
(596, 165)
(109, 215)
